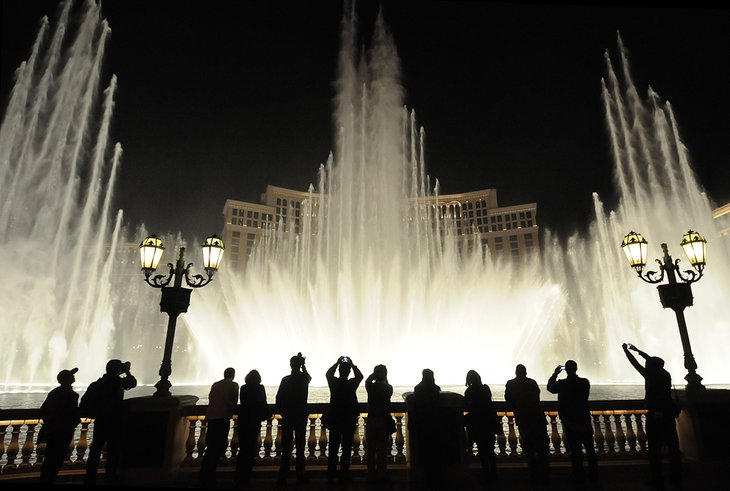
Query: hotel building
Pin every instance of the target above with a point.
(509, 232)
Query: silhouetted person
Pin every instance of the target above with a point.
(342, 414)
(575, 416)
(60, 415)
(107, 396)
(221, 403)
(523, 396)
(253, 410)
(291, 403)
(380, 423)
(427, 428)
(661, 427)
(482, 422)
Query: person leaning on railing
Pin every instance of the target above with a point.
(60, 415)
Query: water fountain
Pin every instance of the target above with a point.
(369, 277)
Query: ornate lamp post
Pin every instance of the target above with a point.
(176, 299)
(673, 295)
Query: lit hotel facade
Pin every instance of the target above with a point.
(509, 232)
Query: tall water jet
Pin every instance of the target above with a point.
(58, 236)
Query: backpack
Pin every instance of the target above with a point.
(92, 400)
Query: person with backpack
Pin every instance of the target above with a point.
(103, 401)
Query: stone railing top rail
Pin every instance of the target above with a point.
(7, 415)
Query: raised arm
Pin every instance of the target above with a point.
(633, 359)
(358, 375)
(552, 384)
(330, 374)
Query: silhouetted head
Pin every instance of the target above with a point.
(654, 363)
(571, 367)
(473, 378)
(114, 367)
(520, 370)
(66, 377)
(344, 369)
(428, 376)
(253, 378)
(381, 373)
(295, 362)
(229, 373)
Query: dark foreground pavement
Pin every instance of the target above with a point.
(613, 476)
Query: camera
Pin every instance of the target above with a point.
(562, 367)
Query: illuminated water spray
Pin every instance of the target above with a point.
(369, 277)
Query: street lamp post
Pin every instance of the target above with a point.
(176, 299)
(673, 295)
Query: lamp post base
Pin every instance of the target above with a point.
(163, 389)
(694, 382)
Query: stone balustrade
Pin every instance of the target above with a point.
(618, 433)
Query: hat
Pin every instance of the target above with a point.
(114, 366)
(65, 375)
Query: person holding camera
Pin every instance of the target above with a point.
(661, 426)
(291, 403)
(575, 416)
(342, 415)
(103, 401)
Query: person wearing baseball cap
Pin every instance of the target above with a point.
(60, 415)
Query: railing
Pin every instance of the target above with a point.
(618, 433)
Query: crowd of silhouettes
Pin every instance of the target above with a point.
(103, 401)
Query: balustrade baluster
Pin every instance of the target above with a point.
(640, 434)
(598, 433)
(356, 443)
(279, 434)
(234, 440)
(202, 437)
(28, 445)
(511, 435)
(83, 444)
(323, 440)
(400, 456)
(260, 441)
(364, 439)
(630, 435)
(610, 437)
(3, 432)
(190, 440)
(269, 439)
(312, 437)
(501, 438)
(13, 448)
(554, 433)
(620, 436)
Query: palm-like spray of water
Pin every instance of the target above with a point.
(369, 277)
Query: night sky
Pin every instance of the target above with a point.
(217, 99)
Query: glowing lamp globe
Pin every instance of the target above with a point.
(635, 247)
(213, 248)
(694, 246)
(150, 253)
